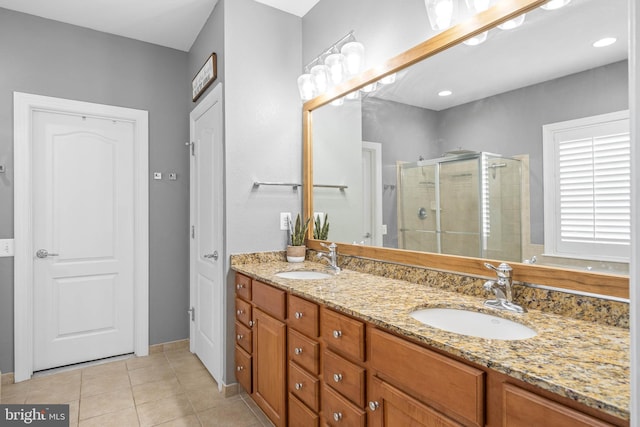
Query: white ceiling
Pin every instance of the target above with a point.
(170, 23)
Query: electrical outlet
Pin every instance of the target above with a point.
(6, 247)
(285, 218)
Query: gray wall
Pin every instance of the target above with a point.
(50, 58)
(259, 54)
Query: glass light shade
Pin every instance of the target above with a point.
(387, 80)
(370, 87)
(513, 23)
(555, 4)
(354, 57)
(477, 6)
(306, 87)
(353, 95)
(442, 13)
(475, 41)
(320, 77)
(336, 69)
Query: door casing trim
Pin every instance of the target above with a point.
(24, 105)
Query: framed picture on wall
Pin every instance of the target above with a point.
(207, 74)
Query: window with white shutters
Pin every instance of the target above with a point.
(587, 187)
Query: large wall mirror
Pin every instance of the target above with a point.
(450, 181)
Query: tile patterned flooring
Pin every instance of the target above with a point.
(171, 388)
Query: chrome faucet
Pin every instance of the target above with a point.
(331, 256)
(502, 289)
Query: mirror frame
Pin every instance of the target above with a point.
(575, 280)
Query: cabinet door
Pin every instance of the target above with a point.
(269, 366)
(522, 408)
(391, 407)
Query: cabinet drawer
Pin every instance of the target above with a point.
(523, 408)
(343, 334)
(243, 311)
(304, 351)
(345, 377)
(445, 384)
(243, 369)
(303, 316)
(300, 415)
(391, 407)
(244, 337)
(339, 412)
(304, 386)
(269, 299)
(243, 286)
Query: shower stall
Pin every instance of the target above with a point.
(461, 204)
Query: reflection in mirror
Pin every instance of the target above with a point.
(502, 93)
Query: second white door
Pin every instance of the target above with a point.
(207, 258)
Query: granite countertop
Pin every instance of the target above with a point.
(584, 361)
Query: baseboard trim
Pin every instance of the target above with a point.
(7, 378)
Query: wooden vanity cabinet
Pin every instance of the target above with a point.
(306, 365)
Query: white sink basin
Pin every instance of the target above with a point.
(303, 275)
(473, 323)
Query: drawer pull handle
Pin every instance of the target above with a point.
(337, 377)
(239, 337)
(337, 334)
(337, 416)
(298, 386)
(240, 312)
(239, 286)
(298, 315)
(240, 368)
(298, 351)
(251, 323)
(373, 405)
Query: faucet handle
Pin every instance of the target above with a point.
(503, 270)
(331, 247)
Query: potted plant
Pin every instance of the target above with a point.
(321, 228)
(296, 249)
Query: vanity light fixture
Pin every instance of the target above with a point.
(444, 93)
(607, 41)
(336, 64)
(442, 13)
(512, 23)
(476, 40)
(555, 4)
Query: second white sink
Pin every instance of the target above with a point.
(473, 323)
(303, 275)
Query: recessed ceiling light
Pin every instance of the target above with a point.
(444, 93)
(607, 41)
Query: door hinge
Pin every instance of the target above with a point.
(192, 312)
(193, 148)
(193, 231)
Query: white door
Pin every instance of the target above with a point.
(373, 230)
(83, 232)
(207, 259)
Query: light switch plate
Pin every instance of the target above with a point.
(6, 247)
(285, 217)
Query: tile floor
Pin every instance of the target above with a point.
(170, 389)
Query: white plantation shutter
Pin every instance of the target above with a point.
(587, 187)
